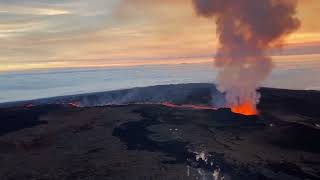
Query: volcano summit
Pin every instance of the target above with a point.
(155, 141)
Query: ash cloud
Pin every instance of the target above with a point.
(246, 30)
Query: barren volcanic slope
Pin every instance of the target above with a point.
(159, 142)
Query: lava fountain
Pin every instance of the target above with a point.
(246, 108)
(247, 29)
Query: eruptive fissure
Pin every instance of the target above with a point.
(246, 30)
(167, 104)
(188, 106)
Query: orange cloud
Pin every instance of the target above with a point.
(139, 32)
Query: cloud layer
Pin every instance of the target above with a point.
(48, 34)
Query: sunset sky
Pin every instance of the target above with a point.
(96, 33)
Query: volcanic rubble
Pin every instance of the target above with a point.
(154, 141)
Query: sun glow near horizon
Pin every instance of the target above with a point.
(68, 34)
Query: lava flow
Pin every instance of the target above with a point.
(245, 108)
(189, 106)
(73, 104)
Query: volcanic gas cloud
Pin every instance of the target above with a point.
(246, 30)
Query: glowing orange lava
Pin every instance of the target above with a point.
(188, 106)
(245, 108)
(73, 104)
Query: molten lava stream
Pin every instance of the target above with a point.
(188, 106)
(245, 108)
(73, 104)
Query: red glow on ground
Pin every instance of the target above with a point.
(73, 104)
(245, 108)
(188, 106)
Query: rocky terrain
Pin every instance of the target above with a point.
(155, 141)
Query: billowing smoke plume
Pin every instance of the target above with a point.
(246, 30)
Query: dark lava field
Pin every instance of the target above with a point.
(154, 141)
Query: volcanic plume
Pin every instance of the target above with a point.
(246, 30)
